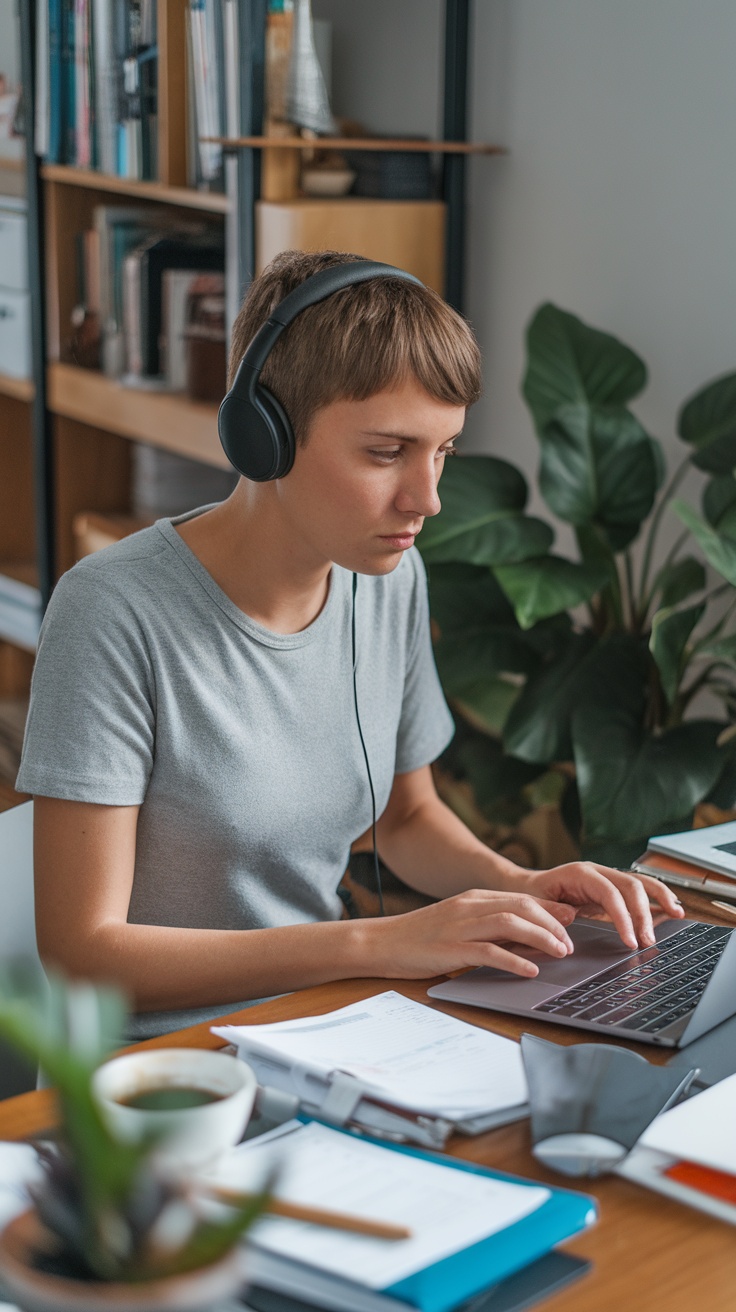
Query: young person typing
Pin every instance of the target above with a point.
(193, 745)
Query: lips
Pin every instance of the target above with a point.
(401, 541)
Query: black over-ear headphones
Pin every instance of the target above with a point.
(254, 429)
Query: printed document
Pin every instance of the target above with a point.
(446, 1209)
(410, 1055)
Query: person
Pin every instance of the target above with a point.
(192, 742)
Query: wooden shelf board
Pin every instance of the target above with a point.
(214, 202)
(23, 571)
(163, 419)
(360, 143)
(19, 388)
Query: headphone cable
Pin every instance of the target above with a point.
(376, 866)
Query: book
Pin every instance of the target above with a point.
(470, 1226)
(683, 874)
(713, 847)
(390, 1064)
(539, 1280)
(681, 1146)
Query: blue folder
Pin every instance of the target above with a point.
(443, 1285)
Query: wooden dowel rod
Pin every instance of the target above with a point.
(316, 1215)
(358, 143)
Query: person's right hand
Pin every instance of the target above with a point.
(469, 930)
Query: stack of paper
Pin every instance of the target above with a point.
(469, 1227)
(698, 1133)
(413, 1070)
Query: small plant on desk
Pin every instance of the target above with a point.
(107, 1228)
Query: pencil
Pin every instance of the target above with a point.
(316, 1215)
(724, 906)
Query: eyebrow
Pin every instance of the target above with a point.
(402, 437)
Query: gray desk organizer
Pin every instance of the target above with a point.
(590, 1102)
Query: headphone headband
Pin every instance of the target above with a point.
(254, 428)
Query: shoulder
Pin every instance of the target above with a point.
(107, 588)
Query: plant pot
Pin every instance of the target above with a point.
(38, 1291)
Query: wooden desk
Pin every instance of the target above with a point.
(650, 1254)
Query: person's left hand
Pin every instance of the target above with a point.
(594, 889)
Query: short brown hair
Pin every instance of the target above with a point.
(359, 341)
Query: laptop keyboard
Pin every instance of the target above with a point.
(662, 986)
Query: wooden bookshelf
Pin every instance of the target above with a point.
(212, 202)
(21, 389)
(163, 419)
(420, 144)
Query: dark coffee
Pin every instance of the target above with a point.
(169, 1098)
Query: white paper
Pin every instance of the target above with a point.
(701, 1129)
(19, 1167)
(447, 1210)
(411, 1055)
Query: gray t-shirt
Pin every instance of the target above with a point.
(240, 745)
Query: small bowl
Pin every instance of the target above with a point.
(327, 182)
(191, 1138)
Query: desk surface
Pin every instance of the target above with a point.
(650, 1254)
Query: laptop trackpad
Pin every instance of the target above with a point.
(596, 948)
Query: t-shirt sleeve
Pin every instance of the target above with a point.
(90, 730)
(426, 725)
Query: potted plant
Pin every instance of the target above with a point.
(107, 1230)
(579, 681)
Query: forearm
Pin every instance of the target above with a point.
(434, 852)
(163, 968)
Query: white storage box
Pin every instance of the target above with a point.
(15, 333)
(13, 244)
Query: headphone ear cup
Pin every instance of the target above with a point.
(256, 435)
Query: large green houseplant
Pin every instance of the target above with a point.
(579, 678)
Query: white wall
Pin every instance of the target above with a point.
(618, 197)
(9, 41)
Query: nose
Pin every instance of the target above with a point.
(417, 493)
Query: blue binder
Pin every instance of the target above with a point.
(443, 1285)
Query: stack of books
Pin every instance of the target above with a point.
(137, 274)
(20, 606)
(96, 78)
(691, 860)
(689, 1152)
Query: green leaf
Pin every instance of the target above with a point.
(632, 782)
(548, 585)
(599, 467)
(538, 726)
(719, 504)
(719, 649)
(481, 521)
(719, 551)
(493, 775)
(679, 580)
(470, 654)
(486, 704)
(671, 630)
(570, 363)
(462, 596)
(707, 422)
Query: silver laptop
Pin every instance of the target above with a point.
(669, 994)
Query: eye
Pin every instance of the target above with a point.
(387, 455)
(447, 451)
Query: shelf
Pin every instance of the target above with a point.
(163, 419)
(212, 201)
(21, 389)
(359, 143)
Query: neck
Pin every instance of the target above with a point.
(245, 546)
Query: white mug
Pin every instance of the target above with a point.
(191, 1138)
